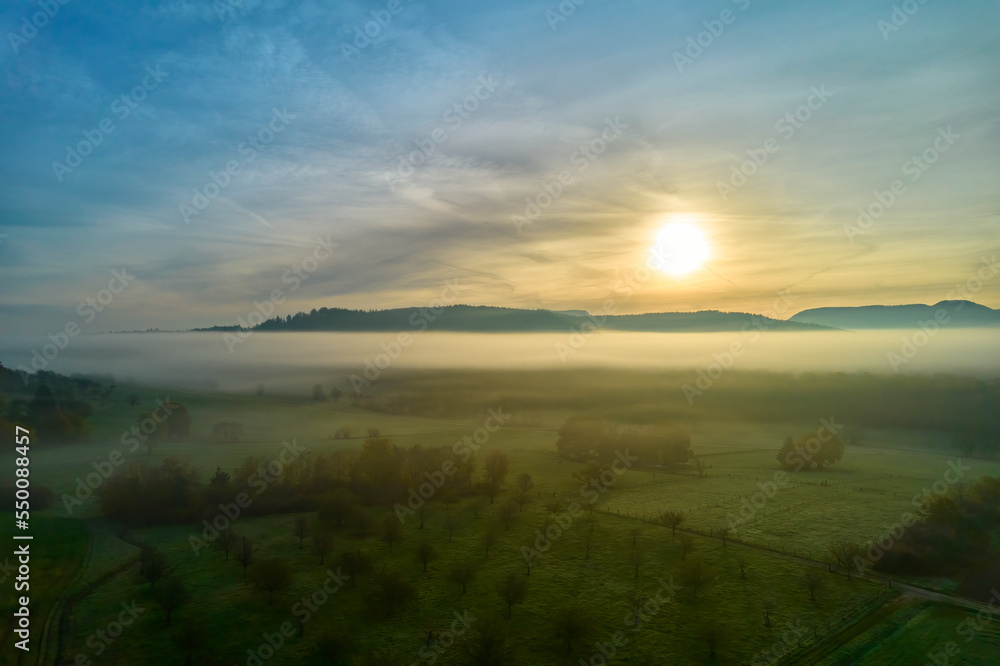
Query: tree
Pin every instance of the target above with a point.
(512, 590)
(637, 600)
(573, 623)
(374, 432)
(170, 595)
(687, 545)
(700, 466)
(672, 519)
(226, 541)
(336, 394)
(392, 592)
(813, 579)
(132, 399)
(450, 524)
(271, 575)
(338, 505)
(495, 466)
(522, 492)
(713, 634)
(462, 572)
(769, 605)
(634, 532)
(488, 645)
(817, 448)
(245, 554)
(843, 553)
(219, 480)
(190, 639)
(637, 557)
(489, 539)
(300, 528)
(506, 512)
(392, 531)
(697, 576)
(317, 392)
(588, 541)
(741, 562)
(426, 552)
(322, 544)
(355, 563)
(153, 566)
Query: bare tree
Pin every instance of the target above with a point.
(426, 552)
(687, 545)
(573, 624)
(697, 576)
(153, 566)
(190, 639)
(450, 524)
(587, 542)
(300, 528)
(322, 544)
(271, 575)
(245, 554)
(700, 466)
(769, 605)
(506, 513)
(512, 590)
(813, 579)
(132, 399)
(637, 557)
(672, 519)
(392, 531)
(489, 643)
(489, 539)
(713, 634)
(462, 572)
(724, 533)
(634, 532)
(355, 563)
(495, 466)
(741, 562)
(226, 541)
(423, 511)
(171, 595)
(843, 553)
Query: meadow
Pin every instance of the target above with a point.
(588, 566)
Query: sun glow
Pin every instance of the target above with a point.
(680, 249)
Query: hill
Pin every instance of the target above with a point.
(956, 314)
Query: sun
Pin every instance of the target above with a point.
(680, 249)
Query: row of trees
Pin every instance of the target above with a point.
(586, 438)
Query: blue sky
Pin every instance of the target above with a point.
(346, 119)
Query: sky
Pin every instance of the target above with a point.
(523, 154)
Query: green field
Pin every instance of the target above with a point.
(859, 499)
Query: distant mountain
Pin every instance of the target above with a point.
(485, 319)
(956, 314)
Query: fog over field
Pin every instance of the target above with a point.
(190, 359)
